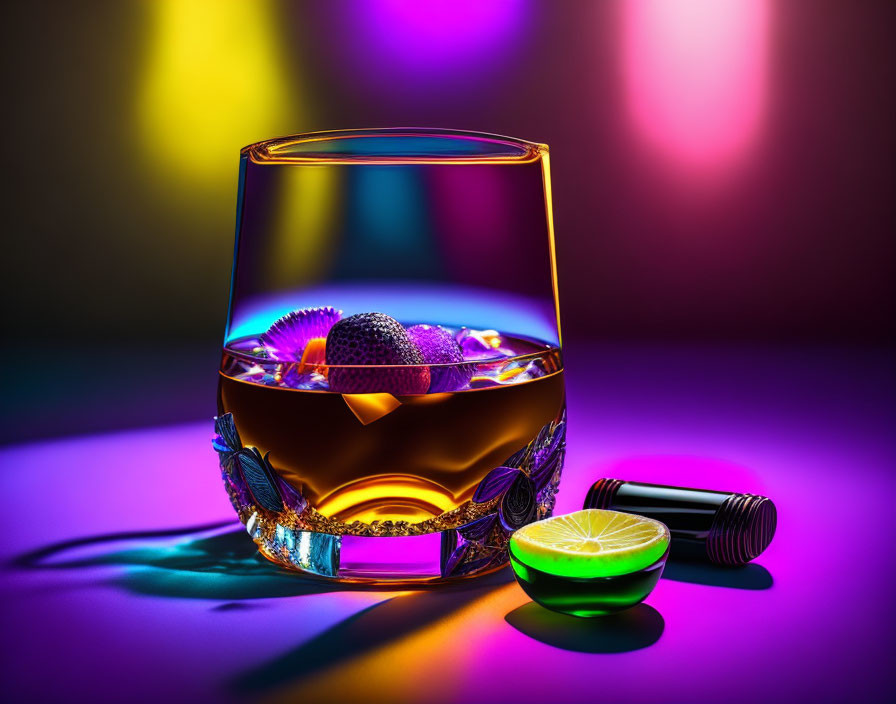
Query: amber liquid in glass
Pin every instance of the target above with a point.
(421, 459)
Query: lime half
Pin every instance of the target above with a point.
(590, 543)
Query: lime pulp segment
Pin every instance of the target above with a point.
(591, 543)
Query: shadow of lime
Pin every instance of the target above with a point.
(633, 629)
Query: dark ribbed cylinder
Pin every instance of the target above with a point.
(722, 527)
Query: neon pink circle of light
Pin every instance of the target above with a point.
(694, 76)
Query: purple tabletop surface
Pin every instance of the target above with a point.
(126, 577)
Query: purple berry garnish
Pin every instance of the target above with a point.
(286, 339)
(374, 339)
(438, 346)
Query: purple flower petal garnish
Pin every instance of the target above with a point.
(518, 504)
(285, 340)
(477, 531)
(495, 483)
(259, 477)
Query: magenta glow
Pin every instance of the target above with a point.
(694, 77)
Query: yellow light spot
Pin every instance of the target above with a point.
(302, 225)
(214, 82)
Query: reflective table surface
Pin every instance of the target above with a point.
(125, 576)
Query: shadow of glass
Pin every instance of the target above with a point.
(213, 561)
(632, 629)
(367, 630)
(750, 576)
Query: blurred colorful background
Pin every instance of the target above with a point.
(723, 171)
(723, 178)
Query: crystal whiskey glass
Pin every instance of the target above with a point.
(391, 403)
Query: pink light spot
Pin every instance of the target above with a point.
(694, 76)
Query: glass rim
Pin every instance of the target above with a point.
(345, 147)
